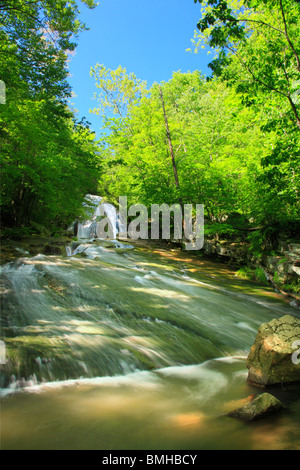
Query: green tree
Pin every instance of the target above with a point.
(35, 40)
(257, 46)
(187, 141)
(117, 92)
(264, 39)
(49, 161)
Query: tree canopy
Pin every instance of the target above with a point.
(262, 37)
(229, 141)
(49, 159)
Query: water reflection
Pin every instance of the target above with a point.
(181, 408)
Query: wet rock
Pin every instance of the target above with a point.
(296, 267)
(272, 358)
(257, 407)
(54, 250)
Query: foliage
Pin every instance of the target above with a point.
(188, 141)
(117, 90)
(35, 40)
(48, 164)
(257, 47)
(195, 141)
(230, 142)
(49, 160)
(251, 274)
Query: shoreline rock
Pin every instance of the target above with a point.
(281, 269)
(273, 356)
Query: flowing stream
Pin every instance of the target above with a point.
(120, 346)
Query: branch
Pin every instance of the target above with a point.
(295, 111)
(262, 23)
(256, 79)
(288, 38)
(17, 56)
(14, 8)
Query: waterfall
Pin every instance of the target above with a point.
(93, 226)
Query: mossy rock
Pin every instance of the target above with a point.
(273, 357)
(258, 407)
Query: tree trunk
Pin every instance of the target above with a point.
(169, 141)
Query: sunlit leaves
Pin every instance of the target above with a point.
(49, 161)
(264, 50)
(117, 90)
(48, 164)
(38, 35)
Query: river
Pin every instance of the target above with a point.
(126, 346)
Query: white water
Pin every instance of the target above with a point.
(97, 210)
(119, 347)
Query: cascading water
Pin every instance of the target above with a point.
(96, 209)
(121, 347)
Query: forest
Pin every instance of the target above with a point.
(229, 141)
(118, 342)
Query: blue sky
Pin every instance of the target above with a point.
(147, 38)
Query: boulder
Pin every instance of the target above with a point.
(257, 407)
(273, 358)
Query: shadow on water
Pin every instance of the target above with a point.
(117, 348)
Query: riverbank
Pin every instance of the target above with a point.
(280, 268)
(12, 248)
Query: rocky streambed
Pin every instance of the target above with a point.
(273, 363)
